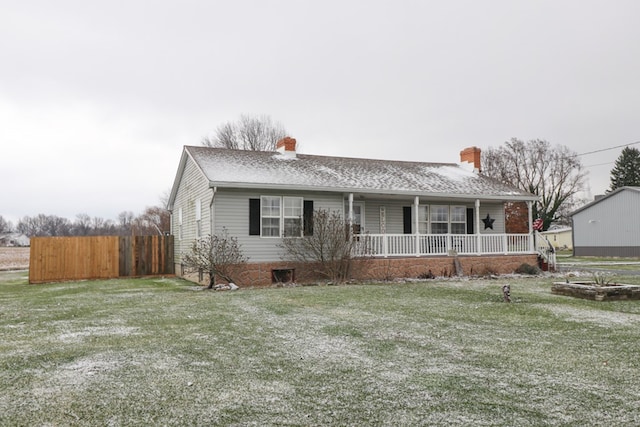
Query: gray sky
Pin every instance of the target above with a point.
(97, 98)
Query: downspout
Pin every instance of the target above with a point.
(212, 222)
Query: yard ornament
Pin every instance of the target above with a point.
(506, 293)
(488, 222)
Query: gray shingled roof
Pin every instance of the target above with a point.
(259, 169)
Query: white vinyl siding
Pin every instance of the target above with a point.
(232, 213)
(192, 187)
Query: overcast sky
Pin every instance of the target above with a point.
(97, 98)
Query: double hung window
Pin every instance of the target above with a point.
(439, 219)
(292, 216)
(423, 219)
(458, 220)
(281, 216)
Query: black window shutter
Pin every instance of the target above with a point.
(254, 217)
(308, 217)
(470, 220)
(406, 219)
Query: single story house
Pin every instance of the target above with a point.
(416, 216)
(559, 237)
(14, 239)
(609, 226)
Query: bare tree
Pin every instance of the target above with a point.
(82, 225)
(329, 249)
(5, 226)
(126, 222)
(154, 220)
(217, 255)
(44, 225)
(555, 174)
(255, 133)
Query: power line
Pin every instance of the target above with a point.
(607, 149)
(599, 164)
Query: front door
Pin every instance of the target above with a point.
(358, 217)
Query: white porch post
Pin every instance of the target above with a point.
(416, 223)
(477, 219)
(531, 238)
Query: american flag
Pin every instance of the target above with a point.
(537, 224)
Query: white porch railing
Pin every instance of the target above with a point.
(385, 245)
(545, 249)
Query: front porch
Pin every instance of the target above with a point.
(418, 245)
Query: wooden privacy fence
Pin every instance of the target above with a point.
(99, 257)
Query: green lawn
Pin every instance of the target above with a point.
(165, 352)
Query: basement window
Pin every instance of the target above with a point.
(283, 275)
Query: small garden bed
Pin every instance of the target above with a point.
(597, 291)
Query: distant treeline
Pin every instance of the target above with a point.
(154, 220)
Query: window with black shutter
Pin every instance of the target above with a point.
(406, 219)
(308, 217)
(254, 217)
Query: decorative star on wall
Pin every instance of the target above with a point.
(488, 222)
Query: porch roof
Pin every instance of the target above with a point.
(272, 170)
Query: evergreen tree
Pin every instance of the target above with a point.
(626, 171)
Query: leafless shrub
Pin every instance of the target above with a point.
(217, 255)
(331, 250)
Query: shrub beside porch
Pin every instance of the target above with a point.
(261, 274)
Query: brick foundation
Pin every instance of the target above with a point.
(260, 274)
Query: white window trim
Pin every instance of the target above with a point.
(198, 218)
(262, 216)
(282, 216)
(464, 219)
(426, 221)
(298, 217)
(432, 222)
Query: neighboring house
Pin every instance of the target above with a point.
(560, 237)
(609, 226)
(415, 215)
(14, 239)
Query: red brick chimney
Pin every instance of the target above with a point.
(471, 155)
(287, 146)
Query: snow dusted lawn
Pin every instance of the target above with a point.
(164, 352)
(14, 258)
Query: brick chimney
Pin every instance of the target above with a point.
(287, 146)
(471, 155)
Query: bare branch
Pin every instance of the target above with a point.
(255, 133)
(217, 255)
(555, 174)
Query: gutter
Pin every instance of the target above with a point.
(499, 197)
